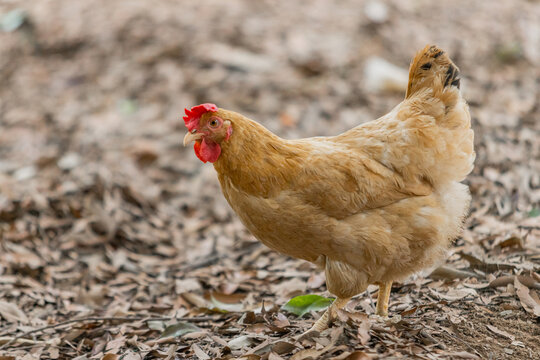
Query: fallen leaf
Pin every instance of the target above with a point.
(307, 353)
(513, 241)
(283, 347)
(178, 329)
(271, 356)
(462, 355)
(363, 332)
(259, 328)
(281, 321)
(12, 313)
(250, 357)
(316, 280)
(527, 301)
(358, 355)
(171, 352)
(220, 306)
(484, 266)
(501, 332)
(447, 272)
(54, 353)
(455, 294)
(109, 357)
(195, 300)
(535, 297)
(303, 304)
(314, 353)
(509, 279)
(156, 325)
(114, 345)
(201, 355)
(240, 342)
(186, 285)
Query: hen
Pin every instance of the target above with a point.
(370, 206)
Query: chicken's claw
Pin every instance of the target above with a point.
(326, 319)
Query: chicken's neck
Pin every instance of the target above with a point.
(256, 161)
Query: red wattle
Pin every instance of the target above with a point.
(197, 148)
(207, 151)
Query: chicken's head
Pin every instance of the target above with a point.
(208, 130)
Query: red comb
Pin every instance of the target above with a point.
(194, 114)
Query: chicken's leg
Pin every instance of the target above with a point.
(383, 297)
(329, 315)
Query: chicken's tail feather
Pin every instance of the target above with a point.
(432, 68)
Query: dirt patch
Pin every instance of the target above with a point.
(493, 333)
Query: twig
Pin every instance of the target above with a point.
(7, 339)
(122, 319)
(212, 259)
(447, 272)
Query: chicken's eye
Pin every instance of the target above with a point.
(213, 122)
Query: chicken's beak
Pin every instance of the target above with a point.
(190, 137)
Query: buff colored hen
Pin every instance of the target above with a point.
(370, 206)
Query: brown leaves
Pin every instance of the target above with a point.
(104, 215)
(363, 331)
(313, 353)
(11, 313)
(178, 329)
(510, 279)
(201, 355)
(110, 356)
(455, 294)
(528, 298)
(359, 321)
(501, 332)
(487, 267)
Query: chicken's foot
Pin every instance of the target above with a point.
(383, 297)
(328, 316)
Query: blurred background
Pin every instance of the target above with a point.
(95, 185)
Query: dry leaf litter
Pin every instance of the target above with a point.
(116, 242)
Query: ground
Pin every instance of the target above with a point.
(116, 242)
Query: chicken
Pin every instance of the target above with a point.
(373, 205)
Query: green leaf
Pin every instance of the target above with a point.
(301, 305)
(179, 329)
(534, 212)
